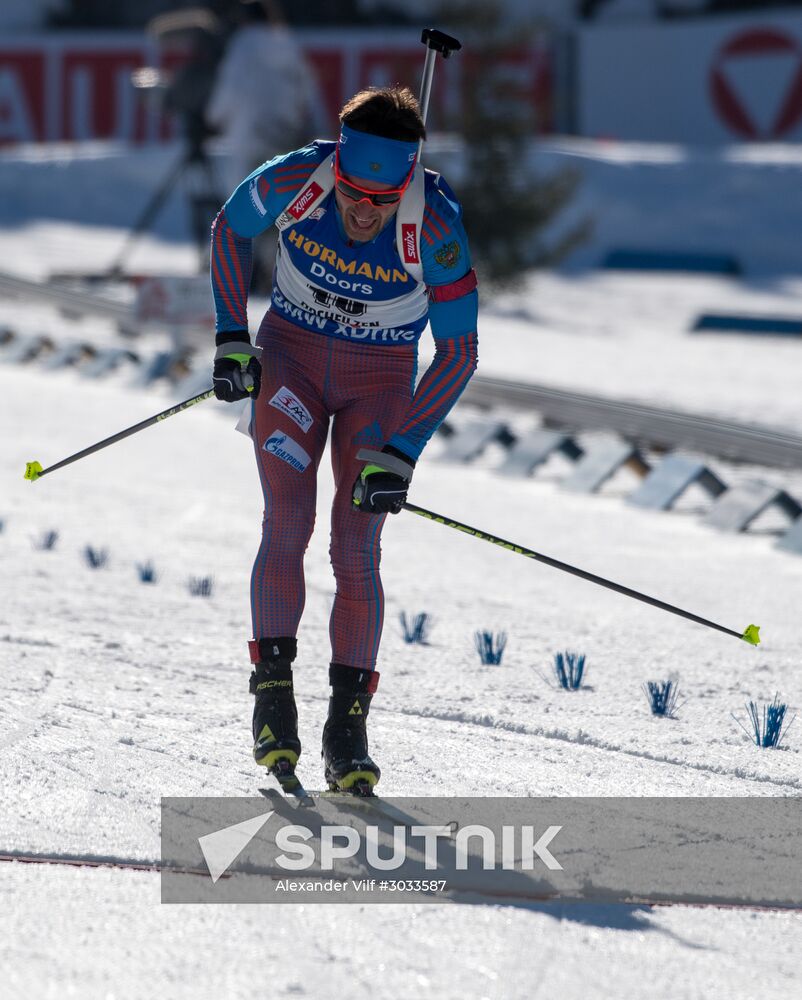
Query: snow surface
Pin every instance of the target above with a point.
(117, 693)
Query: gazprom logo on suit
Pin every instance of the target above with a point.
(289, 451)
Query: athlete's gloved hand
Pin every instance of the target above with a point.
(237, 371)
(381, 487)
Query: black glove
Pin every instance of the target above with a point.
(237, 371)
(381, 487)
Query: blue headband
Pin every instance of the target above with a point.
(374, 158)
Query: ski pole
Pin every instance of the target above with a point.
(34, 471)
(751, 633)
(435, 41)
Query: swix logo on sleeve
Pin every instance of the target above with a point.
(289, 403)
(289, 451)
(409, 240)
(304, 200)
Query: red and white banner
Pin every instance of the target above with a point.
(76, 86)
(706, 81)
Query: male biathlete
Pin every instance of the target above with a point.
(371, 247)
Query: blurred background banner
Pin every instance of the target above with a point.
(74, 86)
(708, 81)
(697, 71)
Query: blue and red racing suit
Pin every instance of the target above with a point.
(339, 344)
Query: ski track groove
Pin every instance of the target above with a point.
(586, 740)
(44, 698)
(156, 866)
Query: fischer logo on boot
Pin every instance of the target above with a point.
(266, 685)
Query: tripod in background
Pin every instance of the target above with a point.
(185, 94)
(196, 170)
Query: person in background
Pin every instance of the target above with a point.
(264, 98)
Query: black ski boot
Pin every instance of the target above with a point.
(275, 719)
(347, 765)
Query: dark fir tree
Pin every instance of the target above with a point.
(508, 205)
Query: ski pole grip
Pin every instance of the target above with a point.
(440, 42)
